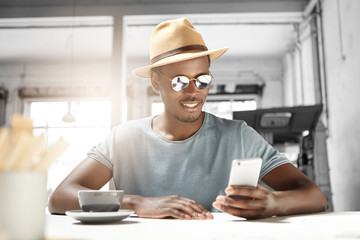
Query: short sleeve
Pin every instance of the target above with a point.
(256, 146)
(103, 152)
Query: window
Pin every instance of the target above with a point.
(225, 108)
(157, 108)
(92, 124)
(220, 108)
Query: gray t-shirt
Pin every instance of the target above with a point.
(198, 168)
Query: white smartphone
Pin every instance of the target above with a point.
(245, 172)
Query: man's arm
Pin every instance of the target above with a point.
(89, 174)
(173, 206)
(294, 193)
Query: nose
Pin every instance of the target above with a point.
(191, 88)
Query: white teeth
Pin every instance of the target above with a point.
(190, 105)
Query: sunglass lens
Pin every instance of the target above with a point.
(179, 83)
(203, 81)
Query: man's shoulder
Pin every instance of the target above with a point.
(224, 122)
(140, 124)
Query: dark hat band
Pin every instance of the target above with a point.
(177, 51)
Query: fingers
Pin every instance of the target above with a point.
(170, 206)
(190, 208)
(174, 206)
(173, 212)
(250, 192)
(245, 213)
(187, 211)
(248, 202)
(196, 208)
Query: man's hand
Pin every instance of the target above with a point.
(247, 202)
(294, 193)
(169, 206)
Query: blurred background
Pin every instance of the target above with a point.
(292, 72)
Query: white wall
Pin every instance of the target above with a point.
(288, 79)
(270, 69)
(343, 85)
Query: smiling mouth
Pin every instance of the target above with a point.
(190, 105)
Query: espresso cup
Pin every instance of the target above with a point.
(100, 201)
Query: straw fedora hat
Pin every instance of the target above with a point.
(174, 41)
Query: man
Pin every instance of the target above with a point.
(177, 164)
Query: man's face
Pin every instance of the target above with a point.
(185, 105)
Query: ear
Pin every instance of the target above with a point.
(155, 81)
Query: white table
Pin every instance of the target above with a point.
(338, 225)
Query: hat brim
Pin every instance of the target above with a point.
(144, 72)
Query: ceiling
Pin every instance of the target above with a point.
(55, 39)
(89, 38)
(245, 35)
(34, 3)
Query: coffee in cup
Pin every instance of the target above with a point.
(100, 201)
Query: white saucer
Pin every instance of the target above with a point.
(99, 217)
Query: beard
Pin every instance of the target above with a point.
(188, 119)
(180, 114)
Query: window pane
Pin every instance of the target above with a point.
(93, 113)
(56, 111)
(225, 109)
(81, 140)
(157, 108)
(39, 113)
(220, 108)
(92, 124)
(244, 105)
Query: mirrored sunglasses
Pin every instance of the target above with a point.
(179, 83)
